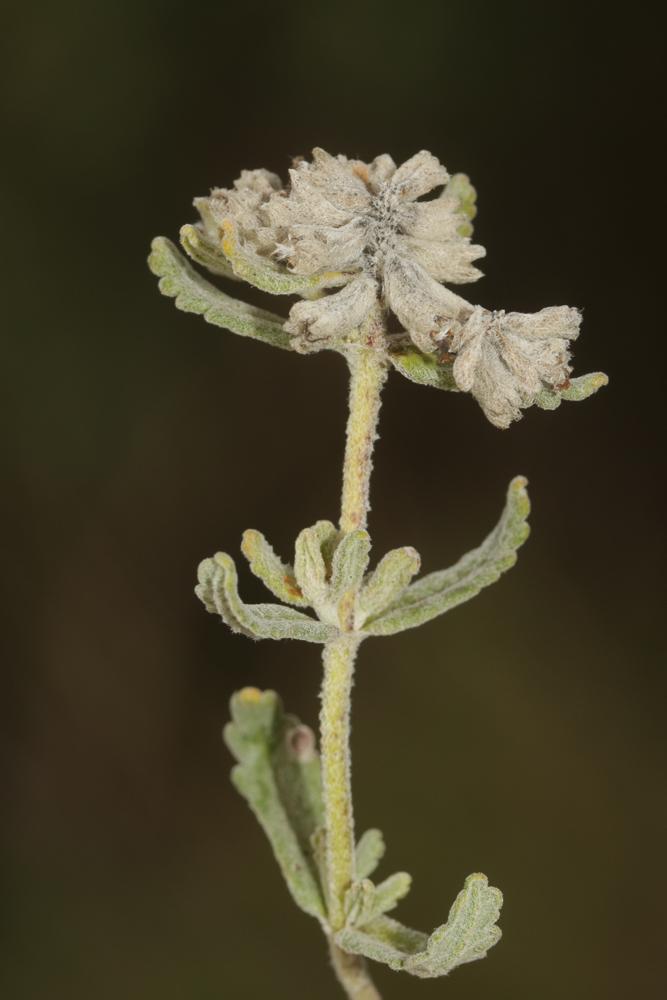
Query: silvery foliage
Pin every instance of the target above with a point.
(330, 576)
(349, 237)
(278, 772)
(354, 241)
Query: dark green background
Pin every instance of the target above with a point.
(523, 734)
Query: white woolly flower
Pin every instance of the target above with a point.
(356, 240)
(506, 359)
(364, 220)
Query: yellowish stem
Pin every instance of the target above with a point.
(368, 371)
(338, 658)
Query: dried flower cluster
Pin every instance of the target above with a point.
(363, 226)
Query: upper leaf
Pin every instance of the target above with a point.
(194, 294)
(438, 592)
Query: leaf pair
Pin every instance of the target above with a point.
(278, 773)
(471, 930)
(329, 575)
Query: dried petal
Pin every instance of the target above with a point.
(425, 308)
(380, 171)
(446, 261)
(322, 248)
(419, 175)
(313, 325)
(505, 360)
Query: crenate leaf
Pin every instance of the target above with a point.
(369, 852)
(424, 369)
(387, 582)
(470, 931)
(576, 390)
(218, 590)
(278, 773)
(193, 294)
(271, 570)
(440, 591)
(311, 567)
(268, 275)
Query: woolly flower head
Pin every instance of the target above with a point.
(373, 244)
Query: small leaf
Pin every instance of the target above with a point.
(269, 276)
(311, 568)
(279, 775)
(193, 294)
(359, 903)
(218, 590)
(463, 194)
(425, 369)
(365, 902)
(390, 891)
(350, 561)
(272, 571)
(370, 850)
(470, 931)
(388, 581)
(576, 390)
(439, 592)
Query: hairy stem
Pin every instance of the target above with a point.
(368, 371)
(353, 974)
(338, 659)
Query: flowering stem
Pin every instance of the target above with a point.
(368, 372)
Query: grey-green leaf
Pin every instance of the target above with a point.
(576, 390)
(445, 589)
(383, 940)
(310, 564)
(218, 590)
(349, 564)
(387, 582)
(193, 294)
(369, 852)
(471, 930)
(424, 369)
(278, 773)
(272, 571)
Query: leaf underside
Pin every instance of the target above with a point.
(192, 293)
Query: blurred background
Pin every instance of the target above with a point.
(522, 735)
